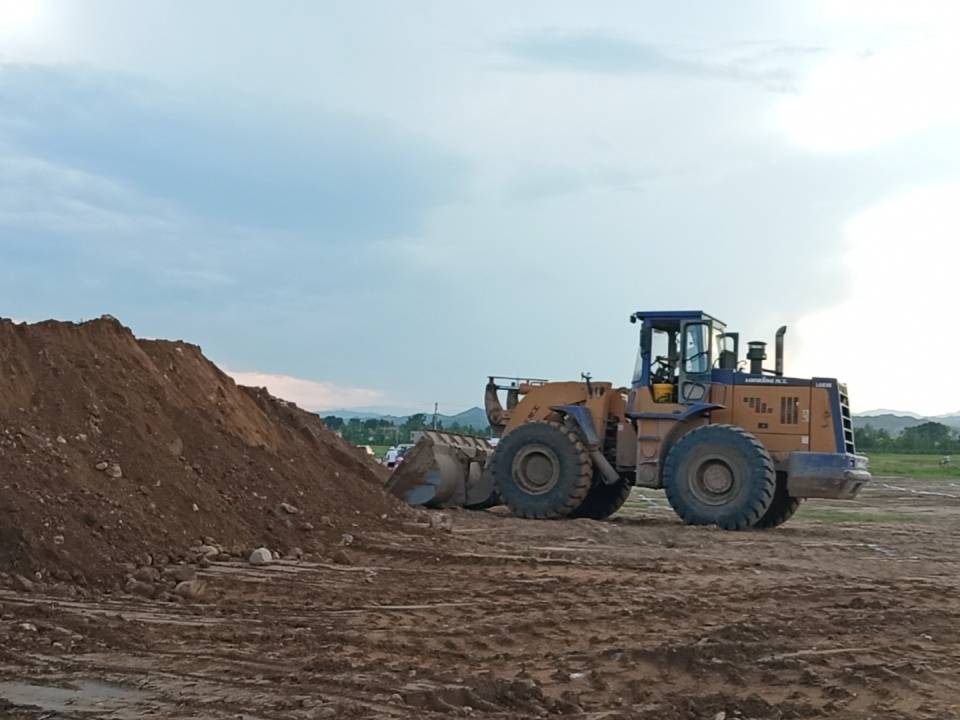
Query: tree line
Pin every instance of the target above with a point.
(379, 431)
(929, 437)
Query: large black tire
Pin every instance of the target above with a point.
(603, 500)
(541, 470)
(719, 475)
(781, 508)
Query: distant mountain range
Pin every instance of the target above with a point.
(895, 422)
(475, 417)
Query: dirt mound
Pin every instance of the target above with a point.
(118, 451)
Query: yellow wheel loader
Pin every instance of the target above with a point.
(731, 443)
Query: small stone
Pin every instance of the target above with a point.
(147, 575)
(82, 437)
(144, 589)
(180, 573)
(196, 508)
(346, 539)
(115, 471)
(22, 584)
(289, 509)
(340, 557)
(190, 589)
(101, 466)
(440, 521)
(58, 540)
(722, 715)
(61, 439)
(205, 550)
(27, 627)
(260, 556)
(295, 553)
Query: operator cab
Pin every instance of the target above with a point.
(678, 351)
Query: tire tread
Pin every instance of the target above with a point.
(761, 499)
(581, 481)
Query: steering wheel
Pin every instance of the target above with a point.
(664, 369)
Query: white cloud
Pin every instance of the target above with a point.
(40, 195)
(309, 394)
(897, 332)
(21, 20)
(860, 101)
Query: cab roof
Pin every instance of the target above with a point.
(668, 315)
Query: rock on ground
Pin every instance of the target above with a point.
(260, 556)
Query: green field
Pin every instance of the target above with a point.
(380, 450)
(922, 467)
(810, 511)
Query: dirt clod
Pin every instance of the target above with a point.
(190, 589)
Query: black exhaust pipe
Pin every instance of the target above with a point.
(779, 345)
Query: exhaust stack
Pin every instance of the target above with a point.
(779, 350)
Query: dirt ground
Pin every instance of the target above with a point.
(851, 610)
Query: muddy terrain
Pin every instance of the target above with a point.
(851, 610)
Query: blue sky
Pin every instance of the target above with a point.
(378, 204)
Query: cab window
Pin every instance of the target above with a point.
(696, 348)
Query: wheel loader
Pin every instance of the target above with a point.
(731, 443)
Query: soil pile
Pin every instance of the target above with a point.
(117, 451)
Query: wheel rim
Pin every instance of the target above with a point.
(714, 481)
(536, 469)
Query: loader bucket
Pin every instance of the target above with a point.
(445, 470)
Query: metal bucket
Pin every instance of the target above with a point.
(445, 470)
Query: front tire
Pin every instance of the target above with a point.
(541, 470)
(719, 475)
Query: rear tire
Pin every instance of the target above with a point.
(781, 508)
(541, 470)
(603, 500)
(719, 475)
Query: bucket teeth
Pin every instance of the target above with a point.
(444, 470)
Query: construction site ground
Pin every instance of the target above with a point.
(851, 610)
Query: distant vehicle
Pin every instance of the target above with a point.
(402, 451)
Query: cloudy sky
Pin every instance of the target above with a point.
(375, 203)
